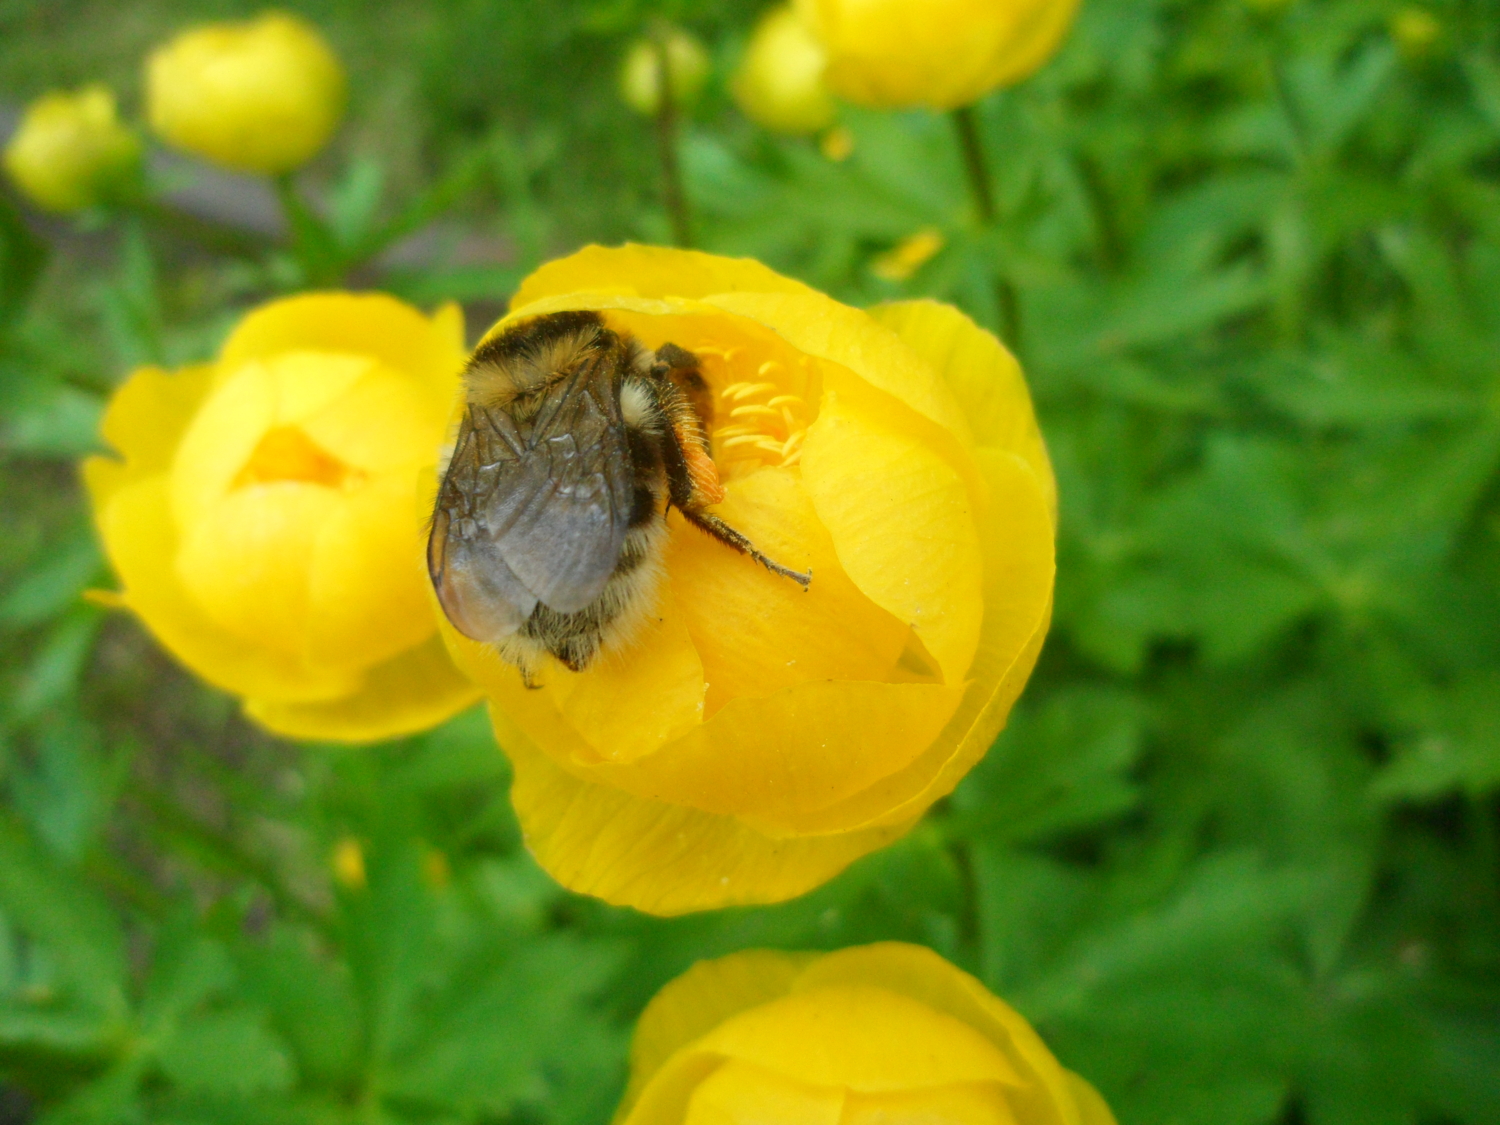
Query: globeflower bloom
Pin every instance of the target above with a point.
(878, 1033)
(756, 738)
(779, 83)
(259, 96)
(71, 151)
(262, 514)
(942, 54)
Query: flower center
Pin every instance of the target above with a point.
(762, 422)
(285, 453)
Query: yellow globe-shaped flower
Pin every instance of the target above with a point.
(780, 81)
(936, 53)
(756, 738)
(71, 151)
(259, 96)
(262, 514)
(866, 1036)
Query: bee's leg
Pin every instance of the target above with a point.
(707, 521)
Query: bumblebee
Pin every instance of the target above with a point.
(551, 520)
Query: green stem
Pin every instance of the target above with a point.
(666, 147)
(977, 171)
(975, 165)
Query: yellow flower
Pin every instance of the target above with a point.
(908, 256)
(837, 144)
(937, 53)
(876, 1034)
(779, 83)
(348, 863)
(71, 151)
(640, 76)
(1416, 31)
(263, 513)
(260, 96)
(757, 738)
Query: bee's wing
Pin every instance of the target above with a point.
(532, 512)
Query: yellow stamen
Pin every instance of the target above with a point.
(754, 411)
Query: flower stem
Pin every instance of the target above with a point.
(976, 167)
(666, 147)
(975, 164)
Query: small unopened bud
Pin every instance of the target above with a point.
(641, 77)
(72, 152)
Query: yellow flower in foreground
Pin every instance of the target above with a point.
(640, 76)
(779, 84)
(756, 738)
(263, 514)
(71, 151)
(260, 96)
(868, 1036)
(937, 53)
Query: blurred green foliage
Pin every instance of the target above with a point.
(1238, 855)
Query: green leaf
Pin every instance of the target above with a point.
(226, 1053)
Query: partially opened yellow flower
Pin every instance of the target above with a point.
(263, 514)
(779, 83)
(936, 53)
(263, 95)
(866, 1036)
(755, 738)
(71, 151)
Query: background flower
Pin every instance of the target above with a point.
(640, 74)
(780, 81)
(71, 151)
(878, 1033)
(263, 515)
(937, 53)
(260, 96)
(757, 738)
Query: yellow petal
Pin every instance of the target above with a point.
(820, 326)
(966, 1104)
(246, 562)
(409, 693)
(983, 375)
(739, 1093)
(229, 426)
(366, 586)
(659, 858)
(1092, 1109)
(651, 271)
(777, 758)
(1041, 1091)
(782, 634)
(703, 997)
(382, 420)
(1018, 574)
(863, 1037)
(903, 523)
(631, 702)
(140, 537)
(371, 324)
(1034, 42)
(147, 416)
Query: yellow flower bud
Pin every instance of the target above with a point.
(71, 151)
(640, 76)
(756, 738)
(878, 1033)
(937, 53)
(779, 83)
(348, 863)
(1416, 31)
(262, 514)
(260, 96)
(837, 144)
